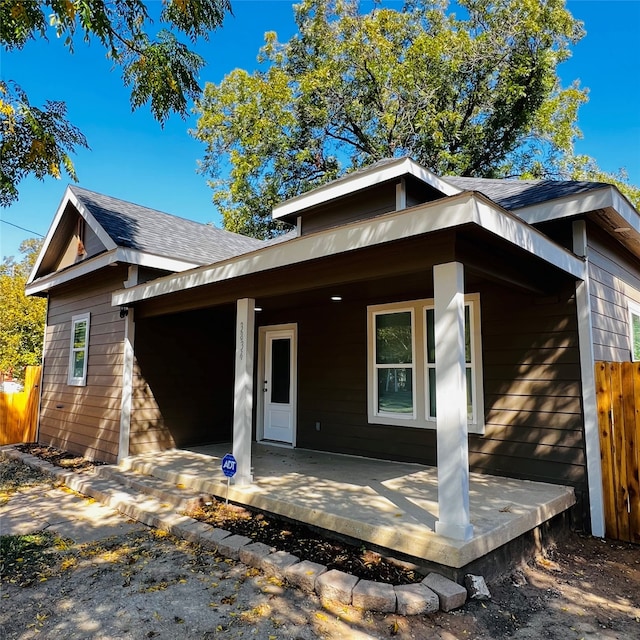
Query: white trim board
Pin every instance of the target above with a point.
(115, 256)
(358, 180)
(463, 209)
(608, 197)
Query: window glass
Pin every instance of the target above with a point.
(395, 390)
(635, 336)
(393, 338)
(78, 350)
(80, 334)
(281, 370)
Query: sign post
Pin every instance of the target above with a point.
(229, 468)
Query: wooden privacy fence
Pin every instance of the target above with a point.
(19, 411)
(618, 394)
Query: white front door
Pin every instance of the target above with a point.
(279, 384)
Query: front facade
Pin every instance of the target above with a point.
(450, 322)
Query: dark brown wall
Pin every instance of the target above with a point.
(183, 380)
(531, 385)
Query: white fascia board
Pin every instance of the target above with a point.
(143, 259)
(580, 203)
(359, 180)
(50, 233)
(70, 273)
(70, 197)
(508, 226)
(466, 208)
(119, 255)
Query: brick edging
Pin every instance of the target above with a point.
(330, 585)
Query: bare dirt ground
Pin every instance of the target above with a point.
(147, 584)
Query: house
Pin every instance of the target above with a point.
(448, 321)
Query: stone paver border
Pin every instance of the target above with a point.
(433, 593)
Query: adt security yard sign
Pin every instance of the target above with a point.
(229, 465)
(229, 468)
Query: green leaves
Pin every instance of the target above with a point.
(460, 95)
(160, 69)
(33, 140)
(22, 319)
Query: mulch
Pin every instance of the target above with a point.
(304, 542)
(295, 538)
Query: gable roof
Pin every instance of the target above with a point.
(516, 194)
(150, 231)
(131, 234)
(376, 173)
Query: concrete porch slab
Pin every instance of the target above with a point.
(391, 505)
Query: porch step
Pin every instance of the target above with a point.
(176, 494)
(133, 500)
(177, 477)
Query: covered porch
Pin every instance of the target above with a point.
(390, 505)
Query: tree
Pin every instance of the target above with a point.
(476, 95)
(22, 319)
(161, 70)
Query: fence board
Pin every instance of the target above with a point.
(632, 428)
(618, 394)
(19, 411)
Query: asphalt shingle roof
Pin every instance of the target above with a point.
(136, 227)
(516, 194)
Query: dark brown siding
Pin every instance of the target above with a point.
(84, 420)
(380, 199)
(183, 380)
(531, 385)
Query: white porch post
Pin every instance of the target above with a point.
(451, 401)
(243, 390)
(126, 404)
(589, 401)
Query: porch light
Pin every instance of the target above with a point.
(336, 298)
(124, 311)
(257, 308)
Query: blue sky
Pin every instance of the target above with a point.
(133, 158)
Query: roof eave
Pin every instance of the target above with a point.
(608, 198)
(122, 255)
(447, 213)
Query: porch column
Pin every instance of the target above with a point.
(588, 377)
(126, 404)
(243, 390)
(451, 402)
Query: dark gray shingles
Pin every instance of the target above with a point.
(515, 194)
(162, 234)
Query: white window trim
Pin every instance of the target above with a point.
(401, 417)
(634, 310)
(420, 418)
(71, 380)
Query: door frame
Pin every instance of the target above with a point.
(292, 330)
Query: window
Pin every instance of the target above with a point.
(402, 361)
(634, 331)
(79, 350)
(394, 379)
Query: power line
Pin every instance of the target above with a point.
(17, 226)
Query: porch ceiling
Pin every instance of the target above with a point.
(382, 272)
(340, 254)
(389, 504)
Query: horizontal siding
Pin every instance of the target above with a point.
(533, 413)
(614, 281)
(183, 389)
(84, 420)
